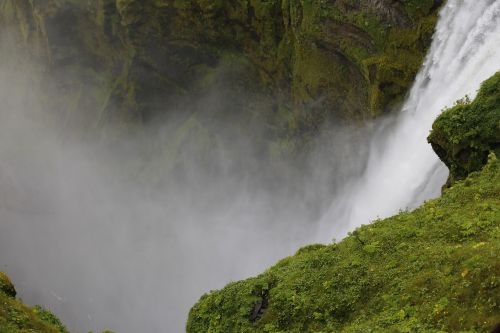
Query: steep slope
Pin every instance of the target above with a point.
(435, 269)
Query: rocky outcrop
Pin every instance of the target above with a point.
(465, 134)
(6, 286)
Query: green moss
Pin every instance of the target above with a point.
(465, 134)
(306, 51)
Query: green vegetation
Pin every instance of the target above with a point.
(15, 317)
(435, 269)
(464, 134)
(6, 287)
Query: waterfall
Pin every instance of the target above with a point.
(83, 234)
(402, 170)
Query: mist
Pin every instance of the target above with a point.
(124, 225)
(126, 231)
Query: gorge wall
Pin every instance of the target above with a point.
(294, 64)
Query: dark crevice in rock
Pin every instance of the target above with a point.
(260, 307)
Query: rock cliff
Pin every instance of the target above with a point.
(291, 64)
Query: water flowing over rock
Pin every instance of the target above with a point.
(402, 169)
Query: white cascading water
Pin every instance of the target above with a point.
(402, 170)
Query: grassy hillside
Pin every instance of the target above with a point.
(435, 269)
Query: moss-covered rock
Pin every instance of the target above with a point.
(309, 61)
(6, 286)
(319, 59)
(465, 134)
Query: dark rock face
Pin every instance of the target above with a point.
(311, 61)
(465, 134)
(260, 307)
